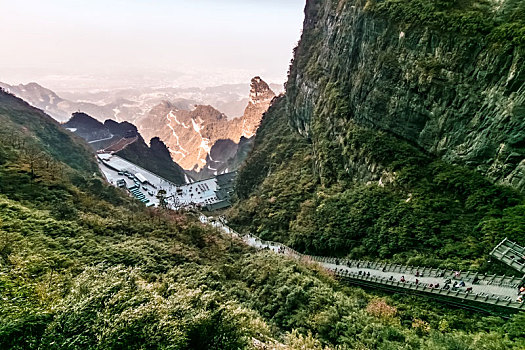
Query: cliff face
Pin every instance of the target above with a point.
(356, 158)
(459, 98)
(190, 135)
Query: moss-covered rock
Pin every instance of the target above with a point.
(457, 94)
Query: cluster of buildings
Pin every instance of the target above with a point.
(210, 194)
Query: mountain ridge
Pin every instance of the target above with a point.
(190, 135)
(130, 104)
(124, 140)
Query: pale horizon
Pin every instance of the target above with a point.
(80, 45)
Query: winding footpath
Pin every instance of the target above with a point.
(492, 290)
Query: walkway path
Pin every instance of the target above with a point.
(510, 254)
(491, 289)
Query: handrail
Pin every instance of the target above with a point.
(505, 301)
(482, 279)
(504, 249)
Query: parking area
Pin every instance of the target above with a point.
(145, 185)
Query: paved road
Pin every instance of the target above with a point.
(482, 287)
(105, 139)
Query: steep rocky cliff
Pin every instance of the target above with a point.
(190, 135)
(458, 94)
(260, 98)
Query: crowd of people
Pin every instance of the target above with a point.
(447, 285)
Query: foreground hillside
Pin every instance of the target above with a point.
(84, 267)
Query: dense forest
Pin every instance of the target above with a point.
(84, 266)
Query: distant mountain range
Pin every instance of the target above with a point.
(131, 104)
(190, 123)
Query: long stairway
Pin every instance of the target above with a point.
(488, 293)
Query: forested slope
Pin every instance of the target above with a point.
(84, 267)
(398, 138)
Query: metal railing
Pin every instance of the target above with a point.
(467, 276)
(492, 299)
(510, 254)
(422, 271)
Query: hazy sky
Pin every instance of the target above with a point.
(107, 43)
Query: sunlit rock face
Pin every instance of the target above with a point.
(191, 134)
(261, 97)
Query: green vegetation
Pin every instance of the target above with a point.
(82, 266)
(424, 212)
(475, 18)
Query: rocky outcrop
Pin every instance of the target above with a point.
(124, 140)
(190, 135)
(452, 96)
(87, 127)
(261, 97)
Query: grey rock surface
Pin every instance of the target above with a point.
(459, 99)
